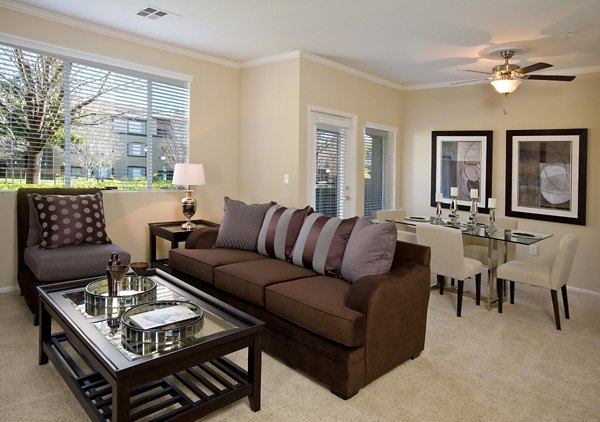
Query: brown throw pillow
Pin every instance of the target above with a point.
(280, 230)
(241, 224)
(70, 219)
(321, 243)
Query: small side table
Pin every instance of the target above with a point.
(171, 231)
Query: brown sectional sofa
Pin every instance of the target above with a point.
(343, 334)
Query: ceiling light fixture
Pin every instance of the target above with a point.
(506, 85)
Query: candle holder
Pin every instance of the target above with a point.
(438, 213)
(453, 210)
(472, 225)
(492, 220)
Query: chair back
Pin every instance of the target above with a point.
(564, 261)
(446, 246)
(384, 215)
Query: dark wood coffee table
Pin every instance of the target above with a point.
(182, 382)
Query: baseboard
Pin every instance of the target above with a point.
(587, 292)
(9, 289)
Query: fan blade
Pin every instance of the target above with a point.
(534, 67)
(550, 78)
(475, 71)
(468, 82)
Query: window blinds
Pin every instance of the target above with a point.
(68, 123)
(378, 171)
(332, 159)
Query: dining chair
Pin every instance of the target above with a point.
(552, 277)
(405, 233)
(447, 259)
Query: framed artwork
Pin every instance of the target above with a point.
(546, 174)
(461, 159)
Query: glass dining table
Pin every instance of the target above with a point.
(496, 237)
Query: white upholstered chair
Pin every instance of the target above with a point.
(447, 259)
(405, 233)
(552, 277)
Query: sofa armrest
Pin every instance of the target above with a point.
(395, 305)
(406, 255)
(411, 252)
(202, 238)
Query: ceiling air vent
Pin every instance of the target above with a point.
(152, 12)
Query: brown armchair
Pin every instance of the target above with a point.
(37, 266)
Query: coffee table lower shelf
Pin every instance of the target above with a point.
(195, 391)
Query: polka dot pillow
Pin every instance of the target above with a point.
(70, 219)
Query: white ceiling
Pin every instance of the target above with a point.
(412, 43)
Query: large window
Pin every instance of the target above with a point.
(379, 169)
(65, 123)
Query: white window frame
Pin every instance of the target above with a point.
(391, 176)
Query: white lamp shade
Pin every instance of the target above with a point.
(186, 174)
(506, 86)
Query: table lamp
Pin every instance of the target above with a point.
(186, 174)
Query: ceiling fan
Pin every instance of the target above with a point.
(506, 78)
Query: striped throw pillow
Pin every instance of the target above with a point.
(280, 230)
(241, 224)
(321, 243)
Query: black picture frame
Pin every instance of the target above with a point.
(475, 146)
(546, 175)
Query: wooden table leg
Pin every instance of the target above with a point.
(120, 402)
(45, 334)
(254, 372)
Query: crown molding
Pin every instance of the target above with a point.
(115, 33)
(321, 60)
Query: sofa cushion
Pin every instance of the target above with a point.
(70, 219)
(241, 224)
(321, 243)
(280, 230)
(318, 304)
(71, 262)
(247, 280)
(201, 263)
(370, 250)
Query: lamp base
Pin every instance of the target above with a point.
(188, 225)
(189, 209)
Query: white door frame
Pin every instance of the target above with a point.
(351, 170)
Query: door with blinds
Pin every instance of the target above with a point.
(332, 174)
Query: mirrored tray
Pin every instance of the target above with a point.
(168, 334)
(132, 290)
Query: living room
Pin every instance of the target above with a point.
(239, 113)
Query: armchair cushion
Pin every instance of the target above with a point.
(70, 219)
(71, 262)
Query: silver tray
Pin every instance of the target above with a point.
(132, 290)
(164, 338)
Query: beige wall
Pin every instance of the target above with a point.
(214, 136)
(536, 105)
(269, 133)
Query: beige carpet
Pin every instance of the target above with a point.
(483, 366)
